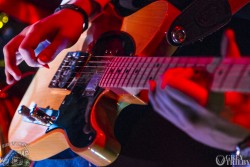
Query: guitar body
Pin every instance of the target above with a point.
(85, 124)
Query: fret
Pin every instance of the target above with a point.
(142, 81)
(244, 83)
(108, 73)
(141, 72)
(113, 73)
(203, 62)
(230, 81)
(192, 62)
(116, 72)
(106, 76)
(129, 71)
(104, 80)
(145, 73)
(162, 69)
(173, 63)
(144, 69)
(139, 75)
(228, 74)
(135, 72)
(155, 69)
(159, 68)
(214, 63)
(120, 71)
(182, 62)
(164, 66)
(220, 74)
(124, 75)
(149, 73)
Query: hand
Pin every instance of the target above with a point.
(192, 82)
(62, 29)
(237, 104)
(180, 106)
(180, 99)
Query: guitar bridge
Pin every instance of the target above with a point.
(69, 69)
(37, 115)
(92, 85)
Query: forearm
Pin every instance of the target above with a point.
(195, 120)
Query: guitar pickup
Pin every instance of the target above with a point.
(92, 85)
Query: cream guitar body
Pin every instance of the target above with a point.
(84, 121)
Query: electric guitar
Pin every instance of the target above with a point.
(75, 103)
(58, 110)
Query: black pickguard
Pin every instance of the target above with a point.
(74, 115)
(74, 118)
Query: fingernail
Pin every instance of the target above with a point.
(3, 95)
(42, 59)
(9, 82)
(46, 66)
(18, 77)
(152, 85)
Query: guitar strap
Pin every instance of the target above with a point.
(200, 19)
(127, 7)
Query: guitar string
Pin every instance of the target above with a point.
(102, 71)
(89, 67)
(87, 81)
(88, 74)
(106, 65)
(108, 62)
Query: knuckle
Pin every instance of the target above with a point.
(34, 28)
(7, 47)
(23, 49)
(30, 63)
(9, 71)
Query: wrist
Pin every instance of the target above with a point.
(83, 4)
(76, 9)
(91, 7)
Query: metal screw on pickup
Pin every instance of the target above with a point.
(178, 35)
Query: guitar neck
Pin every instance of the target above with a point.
(229, 74)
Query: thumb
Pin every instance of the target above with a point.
(181, 79)
(229, 46)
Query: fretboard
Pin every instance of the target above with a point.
(229, 74)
